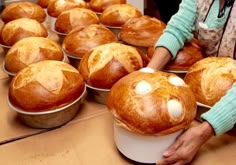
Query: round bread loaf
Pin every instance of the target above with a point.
(23, 10)
(80, 40)
(142, 31)
(73, 18)
(185, 58)
(99, 6)
(20, 28)
(43, 3)
(152, 103)
(21, 54)
(117, 15)
(102, 66)
(56, 7)
(210, 78)
(45, 85)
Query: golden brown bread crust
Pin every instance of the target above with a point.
(142, 103)
(23, 9)
(55, 7)
(73, 18)
(21, 54)
(185, 58)
(20, 28)
(211, 78)
(117, 15)
(105, 64)
(43, 3)
(100, 5)
(45, 85)
(142, 31)
(80, 40)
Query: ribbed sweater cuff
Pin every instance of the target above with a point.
(169, 42)
(220, 120)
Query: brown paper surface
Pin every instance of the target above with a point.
(83, 142)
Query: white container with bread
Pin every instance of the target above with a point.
(106, 64)
(150, 110)
(46, 94)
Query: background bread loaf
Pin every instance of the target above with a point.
(142, 31)
(105, 64)
(21, 54)
(211, 78)
(73, 18)
(20, 28)
(117, 15)
(23, 10)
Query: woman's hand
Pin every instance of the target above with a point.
(183, 150)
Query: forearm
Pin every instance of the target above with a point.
(159, 59)
(179, 28)
(206, 131)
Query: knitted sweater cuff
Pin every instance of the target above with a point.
(221, 115)
(169, 42)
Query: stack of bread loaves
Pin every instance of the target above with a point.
(74, 18)
(81, 40)
(56, 7)
(150, 110)
(210, 79)
(20, 28)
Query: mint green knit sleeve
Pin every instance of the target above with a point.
(179, 28)
(222, 116)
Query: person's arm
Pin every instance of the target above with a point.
(160, 58)
(178, 31)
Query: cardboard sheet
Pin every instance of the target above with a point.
(83, 142)
(90, 141)
(2, 56)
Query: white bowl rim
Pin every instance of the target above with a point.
(203, 105)
(13, 74)
(5, 70)
(45, 112)
(98, 89)
(175, 71)
(112, 27)
(5, 46)
(69, 54)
